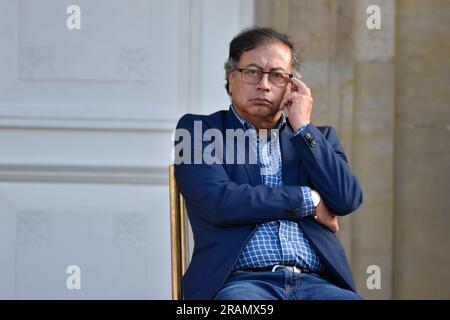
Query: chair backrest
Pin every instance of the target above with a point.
(180, 236)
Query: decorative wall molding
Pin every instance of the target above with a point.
(152, 175)
(134, 65)
(82, 117)
(36, 63)
(91, 112)
(88, 124)
(130, 230)
(32, 228)
(8, 235)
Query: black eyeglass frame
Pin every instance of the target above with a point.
(262, 74)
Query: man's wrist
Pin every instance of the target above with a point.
(315, 198)
(308, 205)
(300, 129)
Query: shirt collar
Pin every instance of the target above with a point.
(247, 125)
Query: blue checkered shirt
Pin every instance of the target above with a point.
(281, 241)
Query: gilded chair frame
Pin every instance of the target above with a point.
(180, 235)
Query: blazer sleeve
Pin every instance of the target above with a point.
(214, 197)
(324, 160)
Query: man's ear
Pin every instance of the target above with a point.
(231, 79)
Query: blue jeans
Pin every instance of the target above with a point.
(281, 285)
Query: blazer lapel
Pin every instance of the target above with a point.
(253, 171)
(290, 160)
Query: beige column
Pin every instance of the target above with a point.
(422, 154)
(373, 147)
(387, 93)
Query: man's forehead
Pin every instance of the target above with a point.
(276, 54)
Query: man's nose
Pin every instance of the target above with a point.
(264, 83)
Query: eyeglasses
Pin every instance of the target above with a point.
(254, 76)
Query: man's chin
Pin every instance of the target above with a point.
(262, 110)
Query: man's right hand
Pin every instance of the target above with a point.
(325, 217)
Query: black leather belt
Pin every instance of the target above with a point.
(279, 267)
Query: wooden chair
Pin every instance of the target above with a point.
(180, 236)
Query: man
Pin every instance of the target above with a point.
(265, 229)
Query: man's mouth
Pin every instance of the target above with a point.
(261, 100)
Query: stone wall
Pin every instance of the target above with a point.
(422, 150)
(387, 93)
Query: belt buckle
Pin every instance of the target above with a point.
(297, 270)
(290, 268)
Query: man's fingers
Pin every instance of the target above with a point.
(296, 82)
(335, 225)
(325, 217)
(288, 89)
(285, 104)
(305, 90)
(302, 87)
(287, 98)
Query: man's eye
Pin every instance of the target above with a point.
(252, 72)
(277, 75)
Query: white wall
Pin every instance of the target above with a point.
(85, 124)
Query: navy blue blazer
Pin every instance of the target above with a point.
(225, 202)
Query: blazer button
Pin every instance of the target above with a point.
(310, 140)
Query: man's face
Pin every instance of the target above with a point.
(262, 99)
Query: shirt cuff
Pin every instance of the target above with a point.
(300, 130)
(308, 204)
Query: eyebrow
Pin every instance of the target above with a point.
(273, 69)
